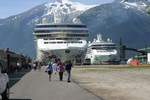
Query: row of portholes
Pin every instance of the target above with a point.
(62, 42)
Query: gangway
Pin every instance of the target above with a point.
(124, 47)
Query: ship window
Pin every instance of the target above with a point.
(66, 38)
(52, 39)
(67, 31)
(45, 42)
(54, 26)
(58, 38)
(62, 42)
(107, 45)
(70, 35)
(62, 39)
(59, 42)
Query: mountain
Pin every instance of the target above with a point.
(16, 32)
(128, 20)
(120, 19)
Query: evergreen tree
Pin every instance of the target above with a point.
(148, 12)
(148, 7)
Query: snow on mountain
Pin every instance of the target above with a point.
(139, 5)
(67, 8)
(130, 0)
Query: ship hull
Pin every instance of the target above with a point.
(47, 56)
(102, 58)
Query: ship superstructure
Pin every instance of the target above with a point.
(101, 52)
(64, 41)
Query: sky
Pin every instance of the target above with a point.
(14, 7)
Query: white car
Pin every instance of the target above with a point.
(4, 84)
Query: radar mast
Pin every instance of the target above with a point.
(57, 17)
(60, 1)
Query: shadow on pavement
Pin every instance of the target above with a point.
(18, 99)
(15, 77)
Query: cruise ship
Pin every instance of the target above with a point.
(101, 52)
(63, 41)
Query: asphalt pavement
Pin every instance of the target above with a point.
(35, 85)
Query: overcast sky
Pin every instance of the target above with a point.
(13, 7)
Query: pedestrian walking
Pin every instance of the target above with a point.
(30, 65)
(18, 66)
(15, 69)
(34, 66)
(54, 67)
(49, 70)
(39, 66)
(11, 68)
(60, 70)
(68, 69)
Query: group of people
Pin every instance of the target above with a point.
(19, 66)
(61, 67)
(37, 65)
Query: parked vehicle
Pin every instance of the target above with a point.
(4, 83)
(86, 61)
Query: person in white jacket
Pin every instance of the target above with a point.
(54, 67)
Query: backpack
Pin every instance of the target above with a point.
(66, 67)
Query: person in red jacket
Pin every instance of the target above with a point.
(58, 63)
(12, 68)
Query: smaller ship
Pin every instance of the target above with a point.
(101, 52)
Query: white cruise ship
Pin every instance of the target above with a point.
(64, 41)
(101, 52)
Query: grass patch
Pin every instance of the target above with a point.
(88, 67)
(144, 66)
(99, 70)
(129, 67)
